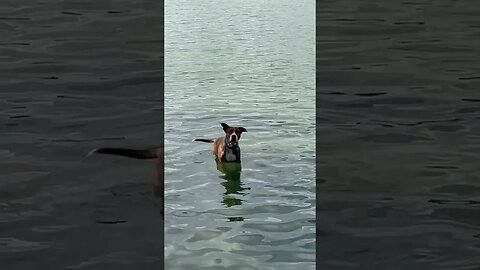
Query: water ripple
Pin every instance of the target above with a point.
(253, 82)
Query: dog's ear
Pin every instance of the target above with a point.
(225, 126)
(242, 129)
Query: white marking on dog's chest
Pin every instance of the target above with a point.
(229, 155)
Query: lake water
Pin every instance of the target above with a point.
(397, 123)
(76, 75)
(251, 64)
(398, 183)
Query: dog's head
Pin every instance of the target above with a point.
(232, 134)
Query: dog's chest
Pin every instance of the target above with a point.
(231, 154)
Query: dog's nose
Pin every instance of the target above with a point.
(233, 138)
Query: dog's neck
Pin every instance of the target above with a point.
(231, 153)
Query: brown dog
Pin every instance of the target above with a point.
(153, 153)
(226, 148)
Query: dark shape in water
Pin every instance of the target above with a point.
(233, 184)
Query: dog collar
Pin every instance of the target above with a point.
(235, 149)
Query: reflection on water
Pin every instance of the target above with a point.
(231, 173)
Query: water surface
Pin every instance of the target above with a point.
(75, 75)
(398, 134)
(250, 64)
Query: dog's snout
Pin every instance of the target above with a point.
(233, 138)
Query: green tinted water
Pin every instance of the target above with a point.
(250, 64)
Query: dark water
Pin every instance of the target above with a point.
(75, 75)
(398, 134)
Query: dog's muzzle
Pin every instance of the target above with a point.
(233, 141)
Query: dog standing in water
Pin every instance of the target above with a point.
(153, 153)
(227, 158)
(226, 149)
